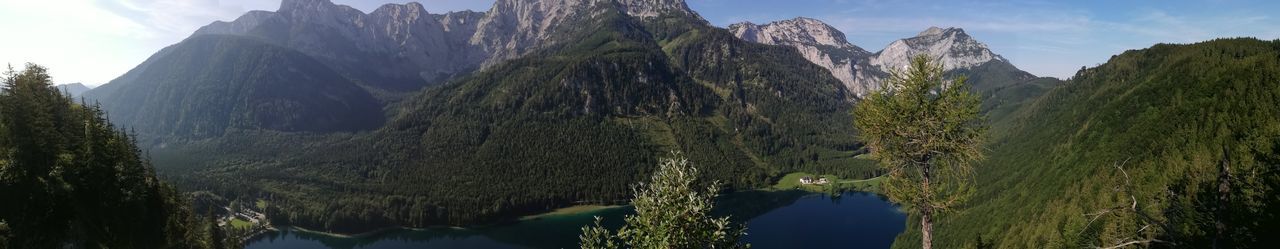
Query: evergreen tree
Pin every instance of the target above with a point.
(4, 234)
(217, 236)
(925, 131)
(68, 178)
(670, 214)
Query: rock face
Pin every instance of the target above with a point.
(402, 47)
(821, 44)
(653, 8)
(951, 46)
(512, 27)
(863, 72)
(367, 61)
(398, 47)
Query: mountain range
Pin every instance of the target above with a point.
(348, 121)
(863, 72)
(344, 121)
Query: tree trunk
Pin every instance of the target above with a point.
(926, 228)
(926, 211)
(1224, 197)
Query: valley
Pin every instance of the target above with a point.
(644, 124)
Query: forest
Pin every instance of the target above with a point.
(1169, 146)
(69, 178)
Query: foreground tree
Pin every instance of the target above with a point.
(670, 214)
(925, 131)
(69, 179)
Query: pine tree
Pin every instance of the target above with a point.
(217, 236)
(4, 234)
(70, 179)
(926, 132)
(670, 214)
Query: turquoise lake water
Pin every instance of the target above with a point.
(788, 219)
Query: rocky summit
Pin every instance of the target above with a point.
(863, 72)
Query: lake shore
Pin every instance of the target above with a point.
(341, 235)
(770, 214)
(571, 210)
(788, 182)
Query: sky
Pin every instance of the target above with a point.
(95, 41)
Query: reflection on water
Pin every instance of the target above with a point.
(775, 219)
(819, 221)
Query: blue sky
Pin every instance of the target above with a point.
(94, 41)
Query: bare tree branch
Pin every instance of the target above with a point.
(1132, 208)
(1129, 243)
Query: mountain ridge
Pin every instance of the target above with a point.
(394, 34)
(1162, 124)
(863, 72)
(606, 83)
(234, 83)
(610, 85)
(73, 89)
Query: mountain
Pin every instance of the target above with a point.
(73, 89)
(569, 102)
(863, 72)
(396, 47)
(209, 84)
(1176, 143)
(951, 46)
(821, 44)
(959, 53)
(401, 47)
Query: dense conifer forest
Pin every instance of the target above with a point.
(1169, 146)
(70, 179)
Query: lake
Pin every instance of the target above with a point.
(775, 219)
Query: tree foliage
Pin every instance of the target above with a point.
(926, 131)
(1152, 134)
(670, 213)
(68, 178)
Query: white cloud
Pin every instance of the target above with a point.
(180, 17)
(94, 41)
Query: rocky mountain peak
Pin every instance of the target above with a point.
(306, 6)
(322, 12)
(653, 8)
(512, 27)
(819, 43)
(460, 19)
(861, 71)
(798, 30)
(412, 10)
(930, 31)
(952, 46)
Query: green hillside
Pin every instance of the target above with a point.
(577, 121)
(206, 85)
(1159, 144)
